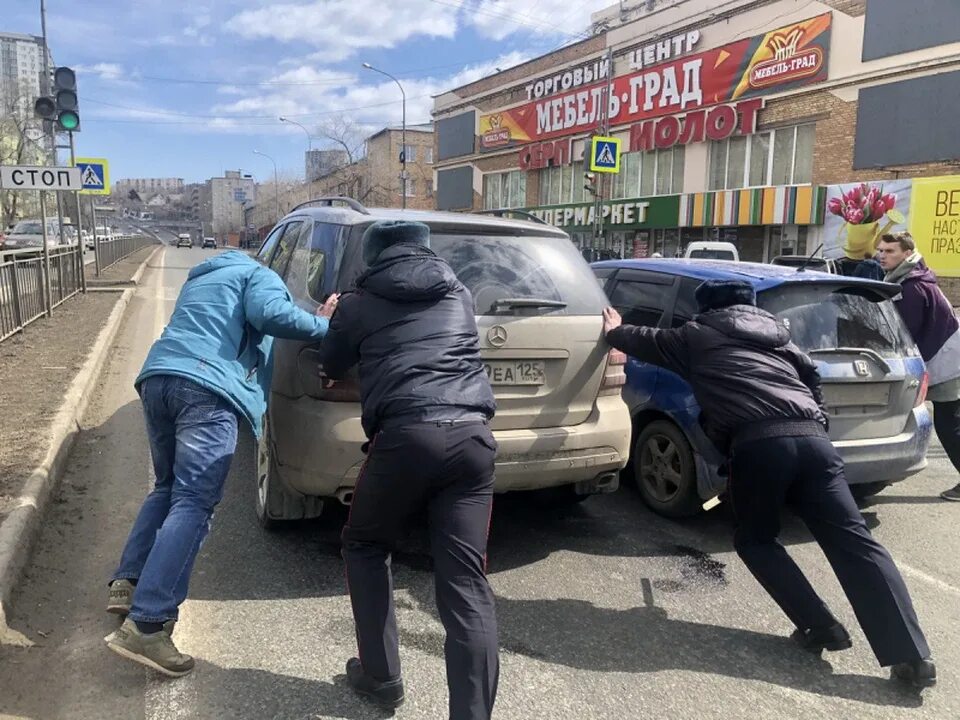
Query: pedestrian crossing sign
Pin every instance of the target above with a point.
(95, 174)
(605, 154)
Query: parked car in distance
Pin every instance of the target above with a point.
(874, 380)
(209, 242)
(28, 234)
(806, 262)
(103, 233)
(184, 240)
(560, 424)
(711, 250)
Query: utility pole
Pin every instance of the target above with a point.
(604, 129)
(81, 248)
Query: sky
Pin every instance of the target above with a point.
(170, 88)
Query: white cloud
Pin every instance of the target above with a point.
(339, 28)
(370, 104)
(563, 19)
(112, 73)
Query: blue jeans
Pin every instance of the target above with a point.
(193, 435)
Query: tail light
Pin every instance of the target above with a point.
(922, 392)
(614, 374)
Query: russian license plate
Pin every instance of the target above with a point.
(515, 372)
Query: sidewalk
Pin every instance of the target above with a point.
(36, 368)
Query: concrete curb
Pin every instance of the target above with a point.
(97, 285)
(20, 529)
(143, 266)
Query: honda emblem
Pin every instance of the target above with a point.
(861, 368)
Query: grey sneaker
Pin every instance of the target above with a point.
(120, 598)
(953, 494)
(155, 650)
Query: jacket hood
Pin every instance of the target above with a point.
(922, 274)
(231, 258)
(747, 324)
(409, 273)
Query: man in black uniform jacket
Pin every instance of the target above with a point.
(761, 404)
(426, 406)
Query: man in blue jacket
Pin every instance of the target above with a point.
(210, 368)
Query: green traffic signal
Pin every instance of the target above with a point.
(68, 120)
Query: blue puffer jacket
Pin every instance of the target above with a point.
(221, 332)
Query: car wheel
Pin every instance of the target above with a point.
(664, 470)
(862, 491)
(275, 506)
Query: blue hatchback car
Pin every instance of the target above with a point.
(874, 379)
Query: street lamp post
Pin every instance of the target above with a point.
(276, 183)
(403, 136)
(294, 122)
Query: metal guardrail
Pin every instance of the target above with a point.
(23, 282)
(115, 250)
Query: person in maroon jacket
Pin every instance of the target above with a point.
(933, 324)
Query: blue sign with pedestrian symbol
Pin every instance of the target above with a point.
(605, 155)
(95, 175)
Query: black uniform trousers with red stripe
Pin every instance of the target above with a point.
(806, 474)
(446, 468)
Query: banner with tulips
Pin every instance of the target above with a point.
(858, 214)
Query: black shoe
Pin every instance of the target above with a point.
(817, 640)
(918, 674)
(387, 694)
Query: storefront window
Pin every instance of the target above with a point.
(759, 159)
(577, 180)
(491, 191)
(779, 157)
(504, 190)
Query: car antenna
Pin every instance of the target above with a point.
(812, 256)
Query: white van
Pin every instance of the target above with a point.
(712, 251)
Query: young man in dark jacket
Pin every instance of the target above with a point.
(426, 403)
(760, 403)
(933, 324)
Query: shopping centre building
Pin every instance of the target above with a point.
(738, 121)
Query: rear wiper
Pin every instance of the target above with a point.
(527, 303)
(867, 352)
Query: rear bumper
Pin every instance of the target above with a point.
(889, 459)
(886, 459)
(317, 447)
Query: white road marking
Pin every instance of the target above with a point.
(912, 572)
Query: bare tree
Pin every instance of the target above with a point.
(344, 133)
(20, 144)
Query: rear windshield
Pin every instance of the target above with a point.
(28, 228)
(825, 317)
(498, 267)
(711, 255)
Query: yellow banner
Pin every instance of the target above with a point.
(935, 222)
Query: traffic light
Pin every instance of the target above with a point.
(65, 96)
(591, 185)
(63, 108)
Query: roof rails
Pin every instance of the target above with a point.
(330, 200)
(502, 212)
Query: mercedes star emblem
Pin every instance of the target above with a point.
(497, 336)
